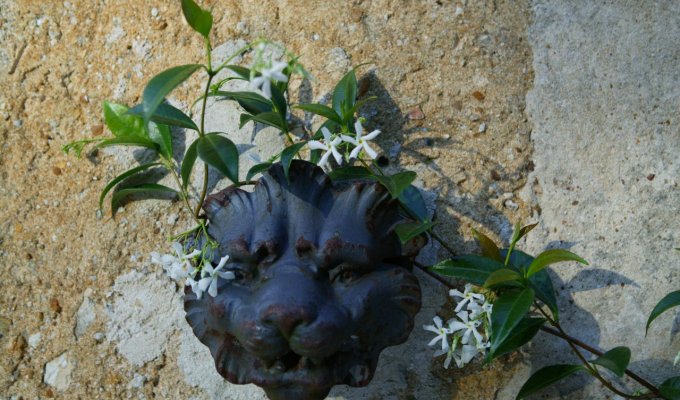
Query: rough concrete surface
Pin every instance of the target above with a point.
(593, 159)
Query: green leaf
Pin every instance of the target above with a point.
(346, 173)
(242, 72)
(287, 156)
(161, 85)
(128, 141)
(188, 163)
(360, 103)
(160, 134)
(271, 118)
(542, 285)
(545, 377)
(540, 282)
(122, 124)
(669, 301)
(279, 102)
(471, 268)
(397, 183)
(121, 178)
(344, 95)
(525, 330)
(167, 115)
(320, 109)
(250, 101)
(220, 153)
(615, 360)
(508, 310)
(526, 229)
(257, 169)
(408, 231)
(412, 200)
(670, 388)
(503, 277)
(151, 188)
(200, 20)
(550, 257)
(489, 248)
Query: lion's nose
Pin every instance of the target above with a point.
(289, 301)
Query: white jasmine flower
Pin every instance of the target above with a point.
(450, 353)
(210, 281)
(264, 81)
(467, 326)
(467, 353)
(467, 296)
(441, 332)
(328, 145)
(361, 141)
(176, 266)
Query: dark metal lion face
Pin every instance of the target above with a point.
(322, 284)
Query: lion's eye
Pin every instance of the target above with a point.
(241, 273)
(344, 273)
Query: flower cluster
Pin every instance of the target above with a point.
(330, 144)
(467, 334)
(181, 266)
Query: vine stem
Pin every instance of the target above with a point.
(201, 132)
(559, 332)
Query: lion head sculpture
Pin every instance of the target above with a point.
(322, 284)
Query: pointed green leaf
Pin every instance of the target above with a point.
(320, 109)
(669, 301)
(397, 183)
(508, 310)
(542, 285)
(402, 180)
(122, 124)
(251, 102)
(271, 118)
(257, 169)
(188, 163)
(200, 20)
(344, 95)
(121, 178)
(526, 229)
(151, 188)
(550, 257)
(162, 84)
(360, 103)
(287, 155)
(670, 388)
(412, 200)
(279, 102)
(160, 134)
(355, 172)
(167, 115)
(128, 141)
(503, 277)
(474, 269)
(220, 153)
(489, 248)
(540, 282)
(615, 360)
(408, 231)
(545, 377)
(242, 72)
(525, 330)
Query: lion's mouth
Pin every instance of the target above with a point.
(292, 361)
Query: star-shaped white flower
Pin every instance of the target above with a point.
(467, 296)
(467, 326)
(441, 332)
(328, 145)
(209, 276)
(361, 142)
(264, 81)
(176, 266)
(461, 355)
